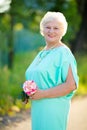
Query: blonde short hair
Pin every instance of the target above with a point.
(50, 16)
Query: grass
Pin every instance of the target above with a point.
(12, 80)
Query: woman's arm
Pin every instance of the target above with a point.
(58, 91)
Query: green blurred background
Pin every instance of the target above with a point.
(20, 41)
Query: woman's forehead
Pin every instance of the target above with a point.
(52, 23)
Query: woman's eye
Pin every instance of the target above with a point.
(48, 27)
(55, 28)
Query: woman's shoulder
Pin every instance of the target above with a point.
(66, 52)
(66, 49)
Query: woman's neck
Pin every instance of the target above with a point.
(53, 45)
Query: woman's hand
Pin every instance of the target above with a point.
(39, 94)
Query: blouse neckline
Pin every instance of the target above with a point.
(58, 47)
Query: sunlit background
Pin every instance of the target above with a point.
(4, 5)
(20, 41)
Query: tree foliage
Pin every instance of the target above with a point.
(29, 14)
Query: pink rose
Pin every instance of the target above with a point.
(29, 87)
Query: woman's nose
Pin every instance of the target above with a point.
(51, 30)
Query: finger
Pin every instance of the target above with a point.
(30, 97)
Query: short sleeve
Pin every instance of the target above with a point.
(70, 60)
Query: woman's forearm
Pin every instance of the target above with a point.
(61, 90)
(57, 91)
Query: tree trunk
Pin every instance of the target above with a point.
(80, 42)
(10, 45)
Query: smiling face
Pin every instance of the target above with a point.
(52, 32)
(53, 27)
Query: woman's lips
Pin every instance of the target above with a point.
(51, 36)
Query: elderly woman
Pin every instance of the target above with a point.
(54, 71)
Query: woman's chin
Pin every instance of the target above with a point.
(50, 40)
